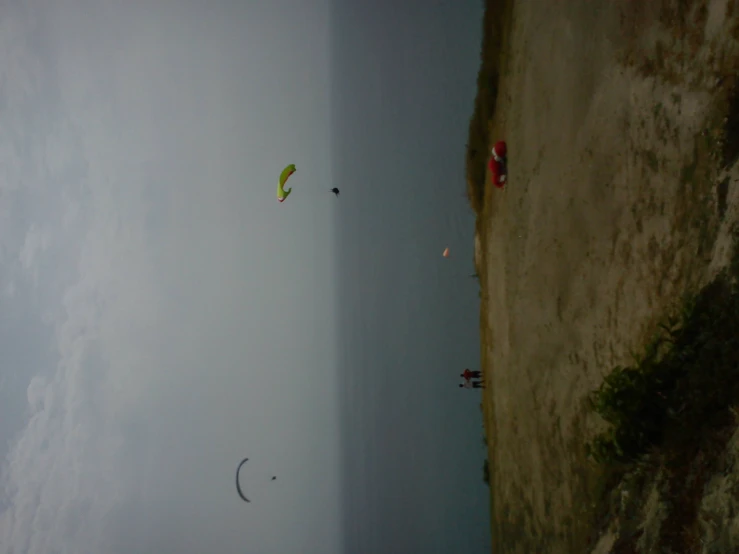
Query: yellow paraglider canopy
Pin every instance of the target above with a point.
(283, 193)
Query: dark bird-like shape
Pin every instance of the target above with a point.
(335, 191)
(273, 478)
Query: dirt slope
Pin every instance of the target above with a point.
(616, 206)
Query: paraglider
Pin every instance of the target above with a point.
(238, 485)
(283, 193)
(335, 191)
(498, 164)
(238, 482)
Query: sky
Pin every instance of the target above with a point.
(162, 316)
(404, 82)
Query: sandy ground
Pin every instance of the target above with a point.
(611, 213)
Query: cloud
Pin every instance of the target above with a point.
(60, 475)
(9, 290)
(36, 243)
(61, 479)
(127, 210)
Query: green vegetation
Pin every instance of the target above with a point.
(683, 385)
(681, 390)
(670, 415)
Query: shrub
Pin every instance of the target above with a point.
(685, 382)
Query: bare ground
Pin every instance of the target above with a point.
(622, 198)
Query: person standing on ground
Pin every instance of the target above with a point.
(470, 374)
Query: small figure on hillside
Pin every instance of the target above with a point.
(472, 384)
(470, 374)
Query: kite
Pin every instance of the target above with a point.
(238, 483)
(238, 486)
(282, 193)
(498, 164)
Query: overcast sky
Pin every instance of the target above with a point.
(162, 316)
(404, 76)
